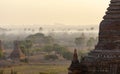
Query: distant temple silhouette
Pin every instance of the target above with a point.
(105, 58)
(75, 65)
(17, 54)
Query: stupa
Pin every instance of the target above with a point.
(75, 65)
(17, 54)
(105, 58)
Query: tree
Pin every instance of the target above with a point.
(67, 55)
(28, 44)
(40, 29)
(25, 46)
(33, 30)
(92, 28)
(63, 51)
(1, 53)
(91, 42)
(80, 42)
(57, 48)
(29, 29)
(25, 29)
(41, 39)
(51, 57)
(48, 40)
(48, 48)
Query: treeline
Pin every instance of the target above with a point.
(54, 45)
(37, 43)
(85, 42)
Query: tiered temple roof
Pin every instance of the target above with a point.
(109, 34)
(105, 59)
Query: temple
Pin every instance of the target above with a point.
(17, 54)
(75, 65)
(105, 58)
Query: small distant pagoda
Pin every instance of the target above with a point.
(105, 58)
(17, 54)
(75, 65)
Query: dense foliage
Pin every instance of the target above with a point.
(25, 46)
(1, 54)
(63, 51)
(51, 57)
(40, 38)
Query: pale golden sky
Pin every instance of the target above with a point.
(52, 11)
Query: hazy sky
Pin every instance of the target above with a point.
(52, 11)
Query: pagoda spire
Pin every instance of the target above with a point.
(75, 65)
(75, 56)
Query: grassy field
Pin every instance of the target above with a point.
(38, 69)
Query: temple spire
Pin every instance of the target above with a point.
(75, 65)
(75, 56)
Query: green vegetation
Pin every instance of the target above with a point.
(37, 69)
(67, 55)
(48, 48)
(80, 41)
(1, 53)
(40, 38)
(84, 42)
(63, 51)
(40, 42)
(51, 57)
(26, 46)
(91, 42)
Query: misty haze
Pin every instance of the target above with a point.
(43, 37)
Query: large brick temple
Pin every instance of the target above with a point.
(105, 58)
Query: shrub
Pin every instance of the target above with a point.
(51, 57)
(67, 55)
(43, 73)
